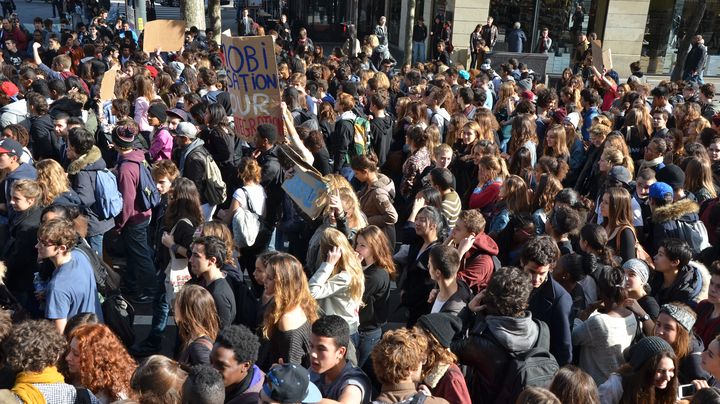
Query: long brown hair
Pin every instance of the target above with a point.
(291, 290)
(523, 129)
(639, 385)
(378, 244)
(573, 385)
(196, 314)
(619, 209)
(698, 175)
(436, 353)
(516, 194)
(183, 203)
(561, 147)
(52, 180)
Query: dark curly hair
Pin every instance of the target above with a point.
(508, 292)
(540, 250)
(244, 343)
(32, 346)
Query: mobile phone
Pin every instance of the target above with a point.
(686, 390)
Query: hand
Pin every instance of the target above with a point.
(466, 244)
(433, 294)
(700, 384)
(37, 46)
(334, 256)
(418, 204)
(167, 239)
(476, 304)
(633, 305)
(335, 203)
(424, 389)
(256, 153)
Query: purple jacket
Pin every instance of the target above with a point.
(128, 179)
(162, 144)
(251, 394)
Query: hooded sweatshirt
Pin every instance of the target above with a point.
(23, 172)
(381, 129)
(128, 179)
(476, 267)
(376, 202)
(246, 392)
(15, 113)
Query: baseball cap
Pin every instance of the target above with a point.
(11, 146)
(290, 384)
(573, 118)
(9, 89)
(186, 129)
(464, 74)
(661, 190)
(178, 113)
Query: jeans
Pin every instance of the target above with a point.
(418, 52)
(140, 270)
(368, 340)
(96, 243)
(161, 310)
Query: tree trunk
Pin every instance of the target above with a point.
(215, 19)
(684, 45)
(409, 31)
(194, 14)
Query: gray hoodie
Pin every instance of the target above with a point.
(15, 113)
(516, 334)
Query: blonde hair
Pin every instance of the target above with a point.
(52, 178)
(507, 90)
(348, 261)
(616, 141)
(29, 189)
(616, 158)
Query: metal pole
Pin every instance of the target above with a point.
(140, 16)
(536, 17)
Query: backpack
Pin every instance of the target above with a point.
(108, 200)
(695, 234)
(146, 190)
(360, 145)
(444, 127)
(119, 316)
(535, 367)
(107, 280)
(215, 191)
(306, 119)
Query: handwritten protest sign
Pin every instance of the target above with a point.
(253, 83)
(607, 59)
(167, 35)
(107, 85)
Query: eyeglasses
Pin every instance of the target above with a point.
(45, 243)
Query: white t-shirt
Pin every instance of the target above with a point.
(257, 197)
(437, 305)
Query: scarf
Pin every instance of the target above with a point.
(24, 384)
(652, 163)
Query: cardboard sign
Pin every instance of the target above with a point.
(167, 35)
(253, 83)
(607, 59)
(107, 85)
(596, 48)
(307, 188)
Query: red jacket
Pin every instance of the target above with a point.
(476, 267)
(452, 387)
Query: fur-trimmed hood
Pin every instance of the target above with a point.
(3, 271)
(90, 160)
(684, 209)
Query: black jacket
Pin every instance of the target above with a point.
(272, 179)
(44, 143)
(487, 347)
(417, 285)
(19, 253)
(552, 304)
(340, 142)
(193, 166)
(684, 289)
(382, 131)
(376, 298)
(690, 367)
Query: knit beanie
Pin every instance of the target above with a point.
(123, 136)
(158, 111)
(671, 175)
(645, 349)
(639, 267)
(442, 326)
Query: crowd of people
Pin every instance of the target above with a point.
(549, 243)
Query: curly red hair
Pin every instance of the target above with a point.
(105, 364)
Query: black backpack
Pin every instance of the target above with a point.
(119, 316)
(535, 367)
(107, 279)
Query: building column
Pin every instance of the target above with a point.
(467, 14)
(624, 32)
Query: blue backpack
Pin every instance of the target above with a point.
(108, 200)
(147, 190)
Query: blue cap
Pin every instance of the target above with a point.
(661, 190)
(464, 74)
